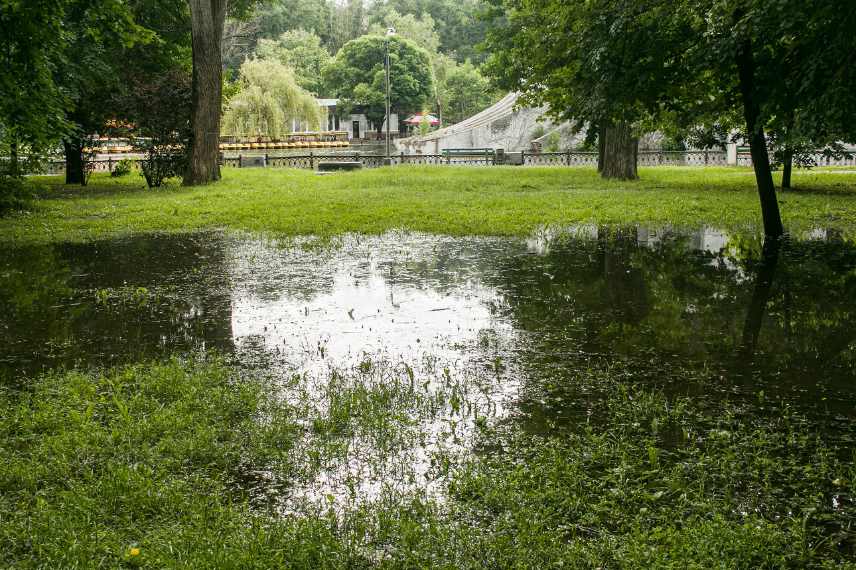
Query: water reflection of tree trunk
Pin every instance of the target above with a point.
(760, 296)
(624, 284)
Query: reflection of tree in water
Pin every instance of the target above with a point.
(34, 282)
(113, 301)
(698, 322)
(802, 317)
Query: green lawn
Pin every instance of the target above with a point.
(149, 466)
(159, 464)
(458, 201)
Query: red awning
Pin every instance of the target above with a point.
(417, 120)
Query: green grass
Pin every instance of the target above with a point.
(456, 201)
(156, 458)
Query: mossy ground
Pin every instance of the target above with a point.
(443, 200)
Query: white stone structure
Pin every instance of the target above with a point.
(356, 124)
(499, 126)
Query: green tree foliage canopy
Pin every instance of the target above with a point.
(357, 76)
(32, 107)
(53, 53)
(464, 91)
(268, 101)
(302, 52)
(457, 21)
(588, 60)
(418, 30)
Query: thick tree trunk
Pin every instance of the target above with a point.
(787, 167)
(620, 151)
(207, 20)
(758, 142)
(74, 162)
(601, 136)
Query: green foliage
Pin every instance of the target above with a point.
(464, 91)
(456, 201)
(419, 30)
(673, 144)
(137, 457)
(302, 52)
(158, 464)
(591, 61)
(357, 76)
(552, 142)
(123, 168)
(457, 22)
(15, 194)
(32, 106)
(424, 125)
(267, 102)
(159, 108)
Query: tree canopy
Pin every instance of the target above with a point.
(302, 52)
(269, 99)
(658, 64)
(358, 79)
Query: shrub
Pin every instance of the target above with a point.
(122, 168)
(15, 193)
(159, 108)
(552, 142)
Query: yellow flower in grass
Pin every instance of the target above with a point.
(133, 551)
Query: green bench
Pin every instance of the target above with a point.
(487, 154)
(450, 152)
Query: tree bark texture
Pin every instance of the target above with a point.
(207, 20)
(758, 142)
(601, 135)
(787, 167)
(74, 163)
(620, 152)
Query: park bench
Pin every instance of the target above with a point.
(339, 166)
(487, 153)
(468, 152)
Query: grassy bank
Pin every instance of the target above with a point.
(150, 466)
(457, 201)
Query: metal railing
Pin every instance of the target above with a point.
(569, 158)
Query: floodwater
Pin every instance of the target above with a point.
(420, 339)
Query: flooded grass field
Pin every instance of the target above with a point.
(614, 396)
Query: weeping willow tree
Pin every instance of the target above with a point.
(268, 101)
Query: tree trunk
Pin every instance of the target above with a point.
(74, 162)
(620, 151)
(601, 136)
(758, 142)
(207, 20)
(787, 167)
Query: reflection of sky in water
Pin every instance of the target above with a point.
(489, 321)
(364, 312)
(419, 302)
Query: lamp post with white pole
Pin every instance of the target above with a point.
(389, 33)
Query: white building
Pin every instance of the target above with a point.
(356, 124)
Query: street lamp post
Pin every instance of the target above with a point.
(389, 33)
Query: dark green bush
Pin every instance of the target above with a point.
(15, 194)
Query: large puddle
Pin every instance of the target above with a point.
(411, 342)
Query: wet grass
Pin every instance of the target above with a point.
(151, 466)
(455, 201)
